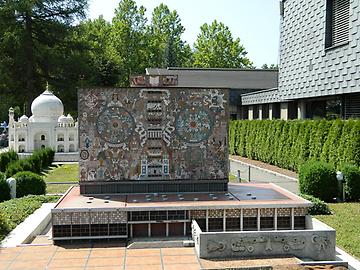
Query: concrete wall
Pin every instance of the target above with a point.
(307, 69)
(317, 243)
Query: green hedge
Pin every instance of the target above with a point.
(318, 179)
(39, 160)
(352, 182)
(15, 211)
(29, 183)
(288, 144)
(319, 207)
(4, 188)
(7, 158)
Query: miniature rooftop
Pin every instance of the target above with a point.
(239, 196)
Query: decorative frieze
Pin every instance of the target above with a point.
(251, 212)
(301, 211)
(283, 212)
(61, 218)
(216, 213)
(198, 214)
(233, 213)
(267, 212)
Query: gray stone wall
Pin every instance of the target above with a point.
(306, 68)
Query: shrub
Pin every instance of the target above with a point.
(7, 158)
(29, 183)
(318, 179)
(4, 188)
(319, 207)
(15, 211)
(352, 181)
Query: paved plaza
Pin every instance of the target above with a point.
(105, 256)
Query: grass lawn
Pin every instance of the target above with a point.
(63, 173)
(346, 222)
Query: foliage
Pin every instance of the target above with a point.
(318, 179)
(272, 66)
(35, 47)
(15, 211)
(288, 144)
(29, 183)
(319, 207)
(346, 221)
(4, 188)
(352, 181)
(216, 48)
(39, 160)
(6, 158)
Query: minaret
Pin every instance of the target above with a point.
(11, 117)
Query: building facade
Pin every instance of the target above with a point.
(319, 71)
(47, 127)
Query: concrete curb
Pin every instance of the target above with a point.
(265, 170)
(32, 226)
(353, 263)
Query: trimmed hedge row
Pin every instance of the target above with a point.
(7, 158)
(39, 160)
(14, 211)
(288, 144)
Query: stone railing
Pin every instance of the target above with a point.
(316, 243)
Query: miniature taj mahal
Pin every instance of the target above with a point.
(46, 127)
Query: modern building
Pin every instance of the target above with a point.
(46, 127)
(319, 70)
(238, 81)
(154, 163)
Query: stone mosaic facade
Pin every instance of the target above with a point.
(96, 217)
(153, 134)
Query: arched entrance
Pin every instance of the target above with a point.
(41, 140)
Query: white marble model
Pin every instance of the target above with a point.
(47, 127)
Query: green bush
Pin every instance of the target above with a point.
(39, 160)
(7, 158)
(319, 207)
(4, 188)
(288, 144)
(15, 211)
(29, 183)
(352, 181)
(318, 179)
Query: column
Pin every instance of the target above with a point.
(301, 110)
(292, 219)
(167, 229)
(258, 219)
(251, 112)
(275, 219)
(261, 112)
(270, 111)
(149, 229)
(184, 228)
(284, 111)
(224, 220)
(207, 220)
(241, 219)
(131, 231)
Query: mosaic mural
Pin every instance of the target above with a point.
(153, 134)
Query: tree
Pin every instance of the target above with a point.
(128, 38)
(272, 66)
(166, 46)
(35, 40)
(216, 48)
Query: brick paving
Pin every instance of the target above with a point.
(110, 256)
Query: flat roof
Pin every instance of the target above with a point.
(254, 79)
(243, 195)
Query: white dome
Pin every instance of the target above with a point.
(69, 118)
(47, 108)
(62, 119)
(24, 119)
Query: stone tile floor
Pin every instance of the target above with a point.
(110, 256)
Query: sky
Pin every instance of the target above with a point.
(255, 22)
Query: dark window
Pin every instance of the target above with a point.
(233, 224)
(215, 224)
(176, 215)
(284, 223)
(117, 229)
(299, 223)
(158, 215)
(266, 223)
(62, 230)
(140, 216)
(80, 230)
(99, 229)
(250, 223)
(43, 137)
(337, 22)
(202, 223)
